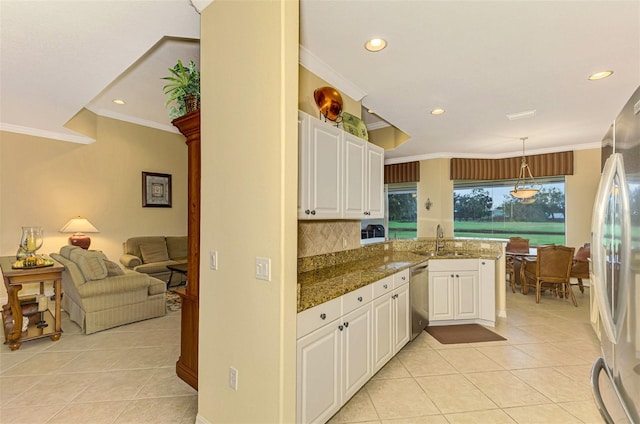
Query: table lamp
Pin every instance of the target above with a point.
(78, 226)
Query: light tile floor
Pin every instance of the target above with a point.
(122, 375)
(540, 374)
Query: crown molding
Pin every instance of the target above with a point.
(314, 64)
(36, 132)
(378, 125)
(200, 5)
(143, 122)
(449, 155)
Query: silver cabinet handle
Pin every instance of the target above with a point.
(307, 211)
(313, 212)
(340, 328)
(451, 275)
(359, 298)
(385, 286)
(323, 316)
(346, 324)
(482, 263)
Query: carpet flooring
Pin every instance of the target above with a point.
(174, 303)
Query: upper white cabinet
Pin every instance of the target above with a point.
(363, 193)
(340, 176)
(320, 169)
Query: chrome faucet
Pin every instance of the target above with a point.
(439, 238)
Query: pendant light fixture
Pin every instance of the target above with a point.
(521, 189)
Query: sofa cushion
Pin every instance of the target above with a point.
(91, 264)
(177, 247)
(154, 252)
(132, 245)
(113, 269)
(65, 251)
(157, 267)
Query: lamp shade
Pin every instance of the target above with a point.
(78, 226)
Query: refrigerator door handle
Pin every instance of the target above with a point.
(599, 366)
(612, 315)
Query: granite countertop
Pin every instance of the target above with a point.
(326, 283)
(321, 285)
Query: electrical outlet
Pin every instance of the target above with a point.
(344, 242)
(233, 378)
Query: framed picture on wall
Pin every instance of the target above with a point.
(156, 190)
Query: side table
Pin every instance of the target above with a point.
(13, 281)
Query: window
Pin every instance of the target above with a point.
(401, 213)
(485, 209)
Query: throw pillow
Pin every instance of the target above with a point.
(91, 264)
(154, 252)
(113, 269)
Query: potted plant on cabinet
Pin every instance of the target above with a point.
(183, 88)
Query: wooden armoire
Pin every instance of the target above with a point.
(187, 365)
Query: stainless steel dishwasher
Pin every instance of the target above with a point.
(419, 293)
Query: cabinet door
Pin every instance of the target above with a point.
(325, 171)
(487, 289)
(354, 177)
(402, 318)
(357, 344)
(303, 164)
(441, 296)
(382, 330)
(466, 295)
(375, 180)
(319, 374)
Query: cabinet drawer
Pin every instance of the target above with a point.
(383, 286)
(318, 316)
(353, 300)
(400, 278)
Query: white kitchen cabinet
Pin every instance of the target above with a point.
(319, 374)
(341, 176)
(487, 291)
(453, 290)
(320, 169)
(338, 342)
(357, 346)
(375, 182)
(391, 318)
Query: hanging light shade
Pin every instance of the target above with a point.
(521, 189)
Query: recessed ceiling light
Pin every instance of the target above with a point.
(600, 75)
(375, 44)
(118, 101)
(437, 111)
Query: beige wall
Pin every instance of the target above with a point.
(46, 182)
(580, 193)
(249, 61)
(307, 84)
(435, 185)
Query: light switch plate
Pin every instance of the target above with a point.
(213, 259)
(263, 268)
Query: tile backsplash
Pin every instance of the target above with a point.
(320, 237)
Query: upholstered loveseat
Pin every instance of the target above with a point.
(98, 294)
(152, 254)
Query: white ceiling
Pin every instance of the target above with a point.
(479, 60)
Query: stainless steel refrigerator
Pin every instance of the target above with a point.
(615, 269)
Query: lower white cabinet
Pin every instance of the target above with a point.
(462, 290)
(334, 360)
(319, 374)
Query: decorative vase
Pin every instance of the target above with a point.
(31, 240)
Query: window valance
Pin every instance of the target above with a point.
(407, 172)
(546, 165)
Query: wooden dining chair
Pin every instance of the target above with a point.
(580, 266)
(513, 263)
(551, 269)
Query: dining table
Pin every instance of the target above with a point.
(519, 257)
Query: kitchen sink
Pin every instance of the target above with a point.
(445, 254)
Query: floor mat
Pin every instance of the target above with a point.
(463, 333)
